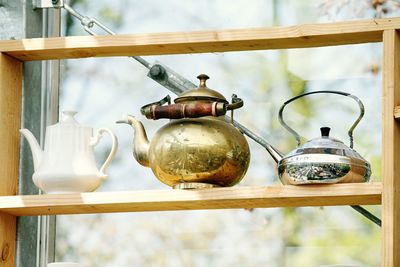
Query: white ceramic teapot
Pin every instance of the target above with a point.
(67, 164)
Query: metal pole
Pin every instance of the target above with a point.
(49, 115)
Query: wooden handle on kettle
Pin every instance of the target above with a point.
(180, 111)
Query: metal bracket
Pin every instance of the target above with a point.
(168, 78)
(368, 215)
(48, 3)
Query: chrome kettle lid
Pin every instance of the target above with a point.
(325, 145)
(201, 93)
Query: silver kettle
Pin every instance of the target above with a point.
(323, 159)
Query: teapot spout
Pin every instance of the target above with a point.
(37, 152)
(140, 142)
(275, 154)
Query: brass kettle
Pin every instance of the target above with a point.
(199, 147)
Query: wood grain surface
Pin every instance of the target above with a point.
(390, 151)
(10, 112)
(307, 35)
(174, 199)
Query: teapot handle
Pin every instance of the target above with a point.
(350, 132)
(95, 140)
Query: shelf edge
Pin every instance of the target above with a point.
(216, 198)
(283, 37)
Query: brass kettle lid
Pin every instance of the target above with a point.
(201, 93)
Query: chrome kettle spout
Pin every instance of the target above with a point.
(140, 142)
(275, 154)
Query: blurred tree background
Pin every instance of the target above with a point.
(102, 89)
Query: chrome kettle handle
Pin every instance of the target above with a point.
(350, 132)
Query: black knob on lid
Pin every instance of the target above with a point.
(325, 131)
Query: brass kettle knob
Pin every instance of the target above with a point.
(203, 78)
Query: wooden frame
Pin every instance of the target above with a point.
(391, 149)
(10, 110)
(13, 52)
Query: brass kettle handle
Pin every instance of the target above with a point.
(145, 108)
(180, 111)
(157, 111)
(297, 136)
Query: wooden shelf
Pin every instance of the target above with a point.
(307, 35)
(14, 52)
(216, 198)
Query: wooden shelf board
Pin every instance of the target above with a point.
(216, 198)
(300, 36)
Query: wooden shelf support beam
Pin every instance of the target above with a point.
(10, 110)
(390, 150)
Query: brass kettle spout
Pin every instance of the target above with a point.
(140, 142)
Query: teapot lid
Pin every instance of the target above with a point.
(69, 117)
(325, 145)
(67, 120)
(202, 93)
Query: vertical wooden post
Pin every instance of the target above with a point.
(391, 150)
(10, 110)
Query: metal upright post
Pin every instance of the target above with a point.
(21, 20)
(50, 99)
